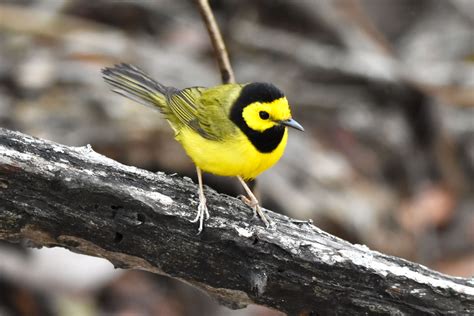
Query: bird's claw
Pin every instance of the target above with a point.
(257, 210)
(265, 219)
(249, 203)
(202, 214)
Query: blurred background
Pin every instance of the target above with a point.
(384, 89)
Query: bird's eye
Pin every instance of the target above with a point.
(264, 115)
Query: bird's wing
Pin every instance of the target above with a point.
(183, 104)
(205, 110)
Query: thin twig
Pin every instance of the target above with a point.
(225, 68)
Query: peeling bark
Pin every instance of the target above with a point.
(72, 197)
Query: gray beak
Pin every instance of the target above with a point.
(292, 123)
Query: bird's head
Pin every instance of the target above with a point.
(262, 106)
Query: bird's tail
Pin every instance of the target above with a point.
(133, 83)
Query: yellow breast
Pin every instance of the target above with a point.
(232, 157)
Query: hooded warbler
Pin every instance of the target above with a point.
(229, 130)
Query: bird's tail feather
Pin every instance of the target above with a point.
(133, 83)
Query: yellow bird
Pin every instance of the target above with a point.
(237, 130)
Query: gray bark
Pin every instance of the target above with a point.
(72, 197)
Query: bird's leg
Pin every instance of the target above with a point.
(202, 208)
(253, 202)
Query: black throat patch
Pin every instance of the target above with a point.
(269, 139)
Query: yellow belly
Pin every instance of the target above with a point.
(236, 157)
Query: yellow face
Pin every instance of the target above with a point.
(261, 116)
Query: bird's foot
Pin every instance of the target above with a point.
(257, 210)
(265, 219)
(248, 201)
(202, 213)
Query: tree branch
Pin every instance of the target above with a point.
(222, 57)
(71, 197)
